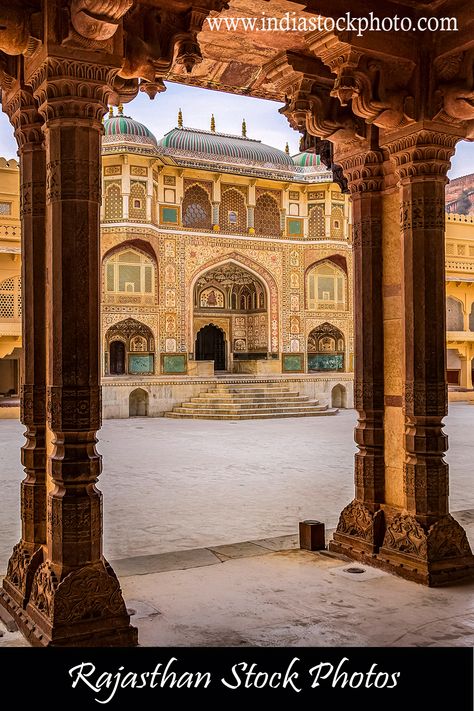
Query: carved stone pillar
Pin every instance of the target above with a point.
(75, 597)
(251, 219)
(28, 553)
(423, 541)
(360, 528)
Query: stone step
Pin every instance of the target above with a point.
(254, 416)
(249, 407)
(284, 397)
(237, 387)
(249, 401)
(247, 410)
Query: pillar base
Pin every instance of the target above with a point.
(22, 566)
(84, 609)
(437, 556)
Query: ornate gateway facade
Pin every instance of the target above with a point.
(220, 255)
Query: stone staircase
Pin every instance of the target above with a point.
(249, 402)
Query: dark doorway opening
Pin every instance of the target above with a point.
(210, 345)
(117, 358)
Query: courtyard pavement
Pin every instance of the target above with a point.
(173, 485)
(201, 522)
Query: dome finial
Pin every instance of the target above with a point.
(244, 128)
(213, 124)
(180, 119)
(111, 111)
(287, 149)
(120, 109)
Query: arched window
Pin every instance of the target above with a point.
(316, 222)
(137, 202)
(10, 298)
(211, 298)
(233, 212)
(196, 208)
(138, 344)
(454, 315)
(129, 272)
(326, 287)
(113, 202)
(267, 216)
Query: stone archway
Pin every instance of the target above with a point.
(266, 280)
(236, 301)
(326, 345)
(129, 349)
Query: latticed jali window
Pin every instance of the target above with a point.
(233, 212)
(197, 208)
(267, 216)
(316, 222)
(326, 286)
(113, 202)
(137, 204)
(10, 298)
(129, 272)
(337, 222)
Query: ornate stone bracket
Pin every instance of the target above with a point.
(376, 87)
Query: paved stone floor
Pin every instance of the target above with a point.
(178, 485)
(177, 493)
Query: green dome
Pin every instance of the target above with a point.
(119, 130)
(307, 160)
(240, 149)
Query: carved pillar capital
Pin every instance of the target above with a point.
(422, 152)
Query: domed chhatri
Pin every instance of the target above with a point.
(240, 149)
(307, 160)
(120, 130)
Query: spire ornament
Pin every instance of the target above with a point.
(180, 119)
(213, 124)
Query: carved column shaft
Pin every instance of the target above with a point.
(360, 522)
(423, 541)
(75, 597)
(422, 160)
(73, 202)
(28, 553)
(423, 236)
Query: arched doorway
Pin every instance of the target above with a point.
(210, 345)
(117, 358)
(138, 403)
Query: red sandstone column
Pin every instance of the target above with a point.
(28, 553)
(360, 527)
(75, 598)
(423, 540)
